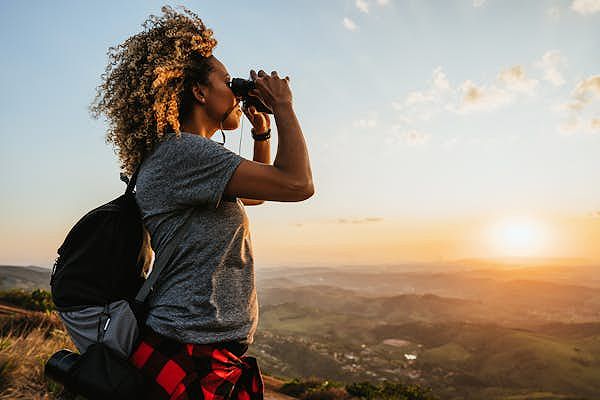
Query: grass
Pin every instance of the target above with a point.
(25, 346)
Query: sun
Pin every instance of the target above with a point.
(517, 236)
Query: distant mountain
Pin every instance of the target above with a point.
(394, 279)
(520, 296)
(461, 348)
(522, 261)
(24, 277)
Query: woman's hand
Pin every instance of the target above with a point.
(260, 121)
(271, 90)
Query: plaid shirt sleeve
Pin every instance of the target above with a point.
(178, 371)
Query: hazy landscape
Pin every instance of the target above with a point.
(470, 330)
(484, 330)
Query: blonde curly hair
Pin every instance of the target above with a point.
(146, 89)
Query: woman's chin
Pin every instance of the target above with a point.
(232, 125)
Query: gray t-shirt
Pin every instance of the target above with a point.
(206, 294)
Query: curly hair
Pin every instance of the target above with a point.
(146, 89)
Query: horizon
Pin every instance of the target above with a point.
(436, 132)
(467, 264)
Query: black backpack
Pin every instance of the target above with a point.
(100, 295)
(98, 260)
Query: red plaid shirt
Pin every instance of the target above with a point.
(180, 371)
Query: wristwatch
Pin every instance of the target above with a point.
(261, 136)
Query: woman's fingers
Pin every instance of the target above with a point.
(263, 74)
(250, 112)
(270, 88)
(254, 93)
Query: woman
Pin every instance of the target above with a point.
(165, 95)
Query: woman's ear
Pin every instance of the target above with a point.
(199, 94)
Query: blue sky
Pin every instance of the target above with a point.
(426, 122)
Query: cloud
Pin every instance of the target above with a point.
(509, 82)
(363, 6)
(583, 107)
(364, 220)
(383, 2)
(419, 97)
(440, 82)
(404, 134)
(478, 3)
(587, 90)
(367, 220)
(550, 64)
(515, 80)
(585, 7)
(576, 125)
(480, 98)
(349, 24)
(595, 214)
(441, 96)
(437, 85)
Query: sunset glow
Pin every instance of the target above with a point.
(481, 145)
(518, 236)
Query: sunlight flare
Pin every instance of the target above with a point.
(517, 236)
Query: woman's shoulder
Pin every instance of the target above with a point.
(186, 142)
(175, 151)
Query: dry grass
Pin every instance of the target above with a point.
(27, 340)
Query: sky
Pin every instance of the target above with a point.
(437, 130)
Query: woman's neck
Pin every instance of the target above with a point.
(199, 124)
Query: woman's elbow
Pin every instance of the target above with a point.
(305, 191)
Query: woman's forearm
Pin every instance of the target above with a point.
(292, 154)
(262, 151)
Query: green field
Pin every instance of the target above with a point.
(459, 360)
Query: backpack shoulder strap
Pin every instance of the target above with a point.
(131, 181)
(161, 261)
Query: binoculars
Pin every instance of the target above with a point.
(240, 88)
(98, 374)
(59, 367)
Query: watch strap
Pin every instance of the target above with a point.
(261, 136)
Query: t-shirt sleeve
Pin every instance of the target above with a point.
(203, 168)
